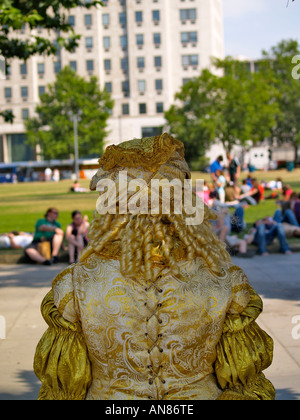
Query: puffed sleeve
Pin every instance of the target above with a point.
(61, 360)
(244, 350)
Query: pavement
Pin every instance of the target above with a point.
(22, 287)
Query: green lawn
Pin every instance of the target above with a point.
(22, 204)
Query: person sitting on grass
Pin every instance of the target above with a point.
(76, 235)
(46, 230)
(15, 240)
(252, 197)
(265, 231)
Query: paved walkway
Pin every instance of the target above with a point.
(22, 288)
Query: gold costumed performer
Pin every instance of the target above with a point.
(155, 309)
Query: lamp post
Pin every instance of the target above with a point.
(75, 117)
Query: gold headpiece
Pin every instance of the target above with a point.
(162, 154)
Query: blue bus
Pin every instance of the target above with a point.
(8, 174)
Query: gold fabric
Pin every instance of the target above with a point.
(61, 361)
(243, 352)
(160, 157)
(183, 334)
(150, 153)
(187, 337)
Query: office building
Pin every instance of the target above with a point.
(142, 51)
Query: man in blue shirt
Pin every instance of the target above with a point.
(216, 166)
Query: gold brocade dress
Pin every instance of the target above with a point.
(193, 337)
(150, 333)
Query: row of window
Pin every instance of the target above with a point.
(143, 108)
(185, 14)
(24, 113)
(187, 60)
(158, 86)
(159, 106)
(24, 91)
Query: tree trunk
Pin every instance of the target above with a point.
(296, 146)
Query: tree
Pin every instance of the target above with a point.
(52, 128)
(277, 67)
(247, 107)
(46, 14)
(234, 108)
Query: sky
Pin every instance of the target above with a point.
(251, 26)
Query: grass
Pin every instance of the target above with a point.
(22, 204)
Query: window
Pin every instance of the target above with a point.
(105, 19)
(157, 61)
(125, 109)
(71, 20)
(42, 90)
(106, 42)
(190, 60)
(125, 87)
(8, 70)
(123, 18)
(25, 113)
(88, 42)
(8, 92)
(24, 91)
(186, 80)
(188, 14)
(194, 60)
(124, 64)
(18, 150)
(143, 108)
(140, 39)
(23, 69)
(108, 87)
(73, 65)
(141, 62)
(107, 65)
(41, 68)
(151, 131)
(90, 65)
(139, 17)
(88, 20)
(159, 107)
(158, 84)
(141, 86)
(189, 37)
(57, 67)
(156, 15)
(123, 41)
(157, 39)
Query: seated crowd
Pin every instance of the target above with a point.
(44, 245)
(225, 193)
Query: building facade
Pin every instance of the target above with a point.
(142, 51)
